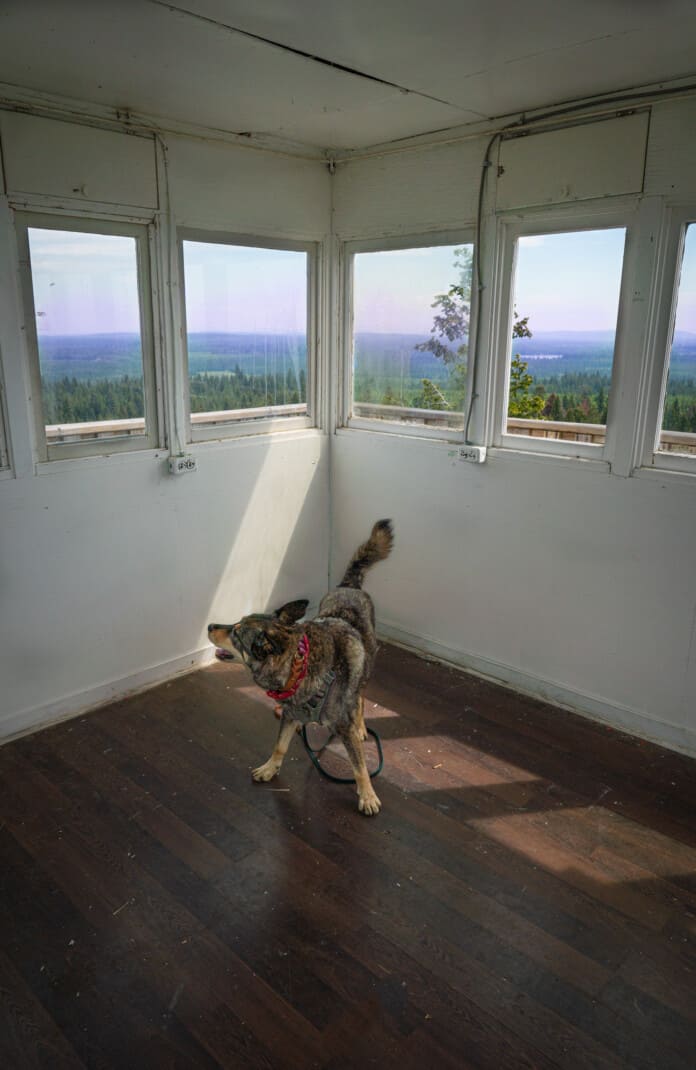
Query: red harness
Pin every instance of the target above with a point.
(297, 673)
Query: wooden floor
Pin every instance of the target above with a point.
(526, 898)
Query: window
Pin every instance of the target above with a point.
(411, 311)
(88, 316)
(246, 312)
(565, 301)
(678, 424)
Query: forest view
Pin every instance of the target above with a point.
(556, 374)
(563, 377)
(99, 377)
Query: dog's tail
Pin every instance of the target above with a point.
(377, 547)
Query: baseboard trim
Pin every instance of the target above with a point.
(634, 722)
(23, 722)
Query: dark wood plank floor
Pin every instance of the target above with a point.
(526, 898)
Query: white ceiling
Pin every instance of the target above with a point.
(421, 66)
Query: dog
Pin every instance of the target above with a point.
(316, 671)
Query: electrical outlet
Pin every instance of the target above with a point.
(472, 454)
(182, 463)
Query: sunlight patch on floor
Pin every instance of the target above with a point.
(466, 765)
(374, 712)
(586, 855)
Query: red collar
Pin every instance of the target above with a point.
(298, 672)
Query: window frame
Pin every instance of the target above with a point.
(143, 234)
(346, 419)
(5, 455)
(665, 300)
(237, 427)
(539, 222)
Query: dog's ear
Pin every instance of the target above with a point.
(292, 611)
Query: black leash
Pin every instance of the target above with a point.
(341, 779)
(314, 709)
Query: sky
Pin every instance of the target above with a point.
(393, 291)
(84, 283)
(239, 288)
(686, 304)
(571, 281)
(563, 282)
(87, 284)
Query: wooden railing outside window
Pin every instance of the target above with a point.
(670, 441)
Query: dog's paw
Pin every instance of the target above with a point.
(266, 771)
(368, 803)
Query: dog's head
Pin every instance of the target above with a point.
(265, 641)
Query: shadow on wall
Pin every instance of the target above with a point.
(277, 548)
(117, 571)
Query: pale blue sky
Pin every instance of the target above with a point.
(393, 291)
(84, 283)
(87, 284)
(563, 282)
(570, 281)
(686, 305)
(239, 288)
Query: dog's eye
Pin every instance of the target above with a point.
(259, 647)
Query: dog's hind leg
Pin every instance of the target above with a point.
(270, 768)
(368, 803)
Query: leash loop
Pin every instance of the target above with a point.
(341, 779)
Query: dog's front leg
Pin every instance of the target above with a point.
(368, 803)
(270, 768)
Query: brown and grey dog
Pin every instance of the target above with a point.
(317, 670)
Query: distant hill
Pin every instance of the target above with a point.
(88, 356)
(548, 353)
(384, 356)
(111, 356)
(555, 353)
(396, 354)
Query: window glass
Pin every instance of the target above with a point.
(566, 300)
(87, 309)
(246, 329)
(411, 312)
(678, 432)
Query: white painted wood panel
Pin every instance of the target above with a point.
(560, 579)
(116, 568)
(670, 167)
(602, 159)
(409, 192)
(565, 580)
(247, 191)
(82, 163)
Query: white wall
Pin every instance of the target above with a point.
(558, 577)
(110, 568)
(550, 574)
